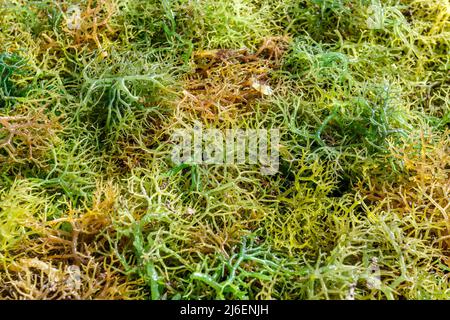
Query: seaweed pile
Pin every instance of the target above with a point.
(93, 207)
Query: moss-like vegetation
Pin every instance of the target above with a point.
(93, 207)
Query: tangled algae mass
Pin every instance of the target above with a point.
(92, 205)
